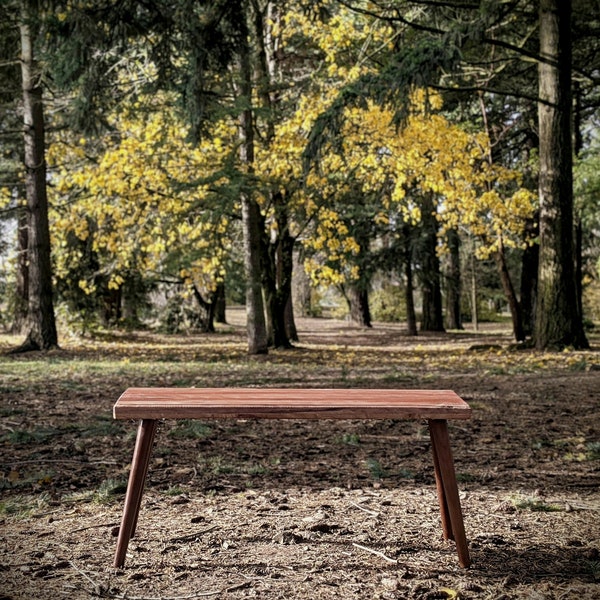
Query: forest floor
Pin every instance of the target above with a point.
(301, 509)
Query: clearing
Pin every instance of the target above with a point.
(301, 509)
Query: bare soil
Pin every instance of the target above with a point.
(301, 509)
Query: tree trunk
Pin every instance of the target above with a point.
(285, 266)
(578, 147)
(255, 315)
(112, 301)
(290, 321)
(277, 283)
(252, 220)
(220, 304)
(357, 297)
(277, 275)
(431, 318)
(22, 275)
(529, 270)
(411, 316)
(207, 311)
(474, 304)
(453, 288)
(579, 266)
(509, 292)
(301, 288)
(558, 321)
(40, 311)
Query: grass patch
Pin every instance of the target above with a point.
(102, 427)
(256, 469)
(22, 507)
(26, 436)
(406, 474)
(175, 490)
(190, 429)
(375, 468)
(593, 450)
(216, 465)
(79, 496)
(398, 378)
(542, 443)
(5, 411)
(593, 568)
(534, 504)
(350, 439)
(578, 365)
(109, 490)
(20, 479)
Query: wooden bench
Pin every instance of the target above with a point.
(436, 406)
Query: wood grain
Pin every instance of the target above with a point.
(286, 403)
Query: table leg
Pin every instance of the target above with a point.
(452, 519)
(135, 487)
(446, 521)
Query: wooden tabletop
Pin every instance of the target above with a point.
(289, 403)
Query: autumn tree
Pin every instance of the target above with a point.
(449, 44)
(431, 174)
(141, 205)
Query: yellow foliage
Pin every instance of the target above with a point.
(133, 199)
(136, 200)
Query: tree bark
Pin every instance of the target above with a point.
(357, 297)
(41, 324)
(277, 274)
(473, 295)
(529, 271)
(453, 287)
(290, 322)
(558, 320)
(22, 275)
(411, 316)
(277, 277)
(207, 311)
(357, 292)
(431, 318)
(578, 147)
(255, 314)
(252, 220)
(220, 304)
(511, 296)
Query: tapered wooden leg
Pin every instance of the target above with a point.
(452, 519)
(146, 453)
(135, 487)
(446, 521)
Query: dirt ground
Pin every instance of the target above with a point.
(302, 509)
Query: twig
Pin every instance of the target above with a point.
(95, 585)
(192, 536)
(94, 527)
(376, 552)
(370, 512)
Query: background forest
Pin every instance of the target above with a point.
(424, 165)
(399, 161)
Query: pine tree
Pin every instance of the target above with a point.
(41, 325)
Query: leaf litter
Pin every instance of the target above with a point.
(297, 509)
